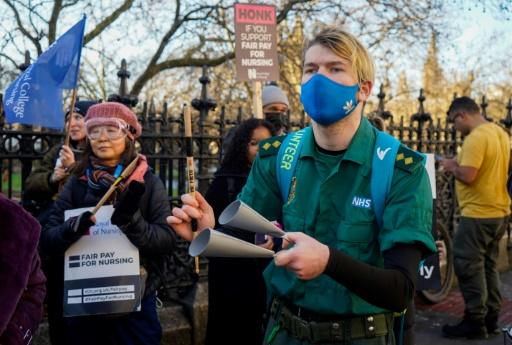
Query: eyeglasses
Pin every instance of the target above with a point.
(111, 131)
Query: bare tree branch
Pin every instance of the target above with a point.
(176, 34)
(70, 4)
(191, 62)
(102, 54)
(52, 25)
(18, 49)
(153, 67)
(165, 40)
(33, 9)
(107, 21)
(9, 59)
(22, 28)
(287, 8)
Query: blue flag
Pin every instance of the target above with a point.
(35, 97)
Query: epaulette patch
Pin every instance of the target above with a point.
(270, 146)
(407, 159)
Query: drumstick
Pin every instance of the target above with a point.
(126, 172)
(187, 120)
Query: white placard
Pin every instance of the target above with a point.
(101, 269)
(430, 165)
(429, 276)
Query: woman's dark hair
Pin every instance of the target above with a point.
(128, 155)
(236, 153)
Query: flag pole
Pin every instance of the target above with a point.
(73, 94)
(68, 123)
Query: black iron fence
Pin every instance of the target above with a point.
(162, 142)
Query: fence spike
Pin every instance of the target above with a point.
(484, 106)
(123, 75)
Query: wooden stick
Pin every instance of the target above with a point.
(189, 150)
(71, 111)
(187, 120)
(256, 100)
(126, 172)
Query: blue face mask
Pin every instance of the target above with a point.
(327, 101)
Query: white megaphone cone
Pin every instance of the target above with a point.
(239, 215)
(213, 243)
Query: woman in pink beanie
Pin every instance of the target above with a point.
(141, 207)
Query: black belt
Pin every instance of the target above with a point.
(316, 331)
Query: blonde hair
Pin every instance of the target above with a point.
(347, 46)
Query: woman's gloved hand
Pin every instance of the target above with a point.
(128, 204)
(78, 225)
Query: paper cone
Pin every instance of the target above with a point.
(213, 243)
(239, 215)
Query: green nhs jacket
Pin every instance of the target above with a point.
(330, 200)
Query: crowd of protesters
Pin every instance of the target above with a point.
(101, 140)
(321, 285)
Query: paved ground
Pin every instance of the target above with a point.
(430, 318)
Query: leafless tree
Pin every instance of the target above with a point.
(189, 33)
(164, 41)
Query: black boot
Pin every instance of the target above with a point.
(467, 328)
(491, 323)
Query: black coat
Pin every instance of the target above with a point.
(39, 193)
(224, 189)
(148, 231)
(236, 289)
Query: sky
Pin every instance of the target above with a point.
(473, 35)
(476, 35)
(480, 37)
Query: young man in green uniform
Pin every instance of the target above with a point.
(345, 274)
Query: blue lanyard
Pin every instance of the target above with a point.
(118, 171)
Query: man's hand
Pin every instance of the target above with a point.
(464, 174)
(193, 208)
(449, 164)
(67, 157)
(307, 258)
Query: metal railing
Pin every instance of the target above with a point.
(162, 141)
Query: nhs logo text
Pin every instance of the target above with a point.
(359, 201)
